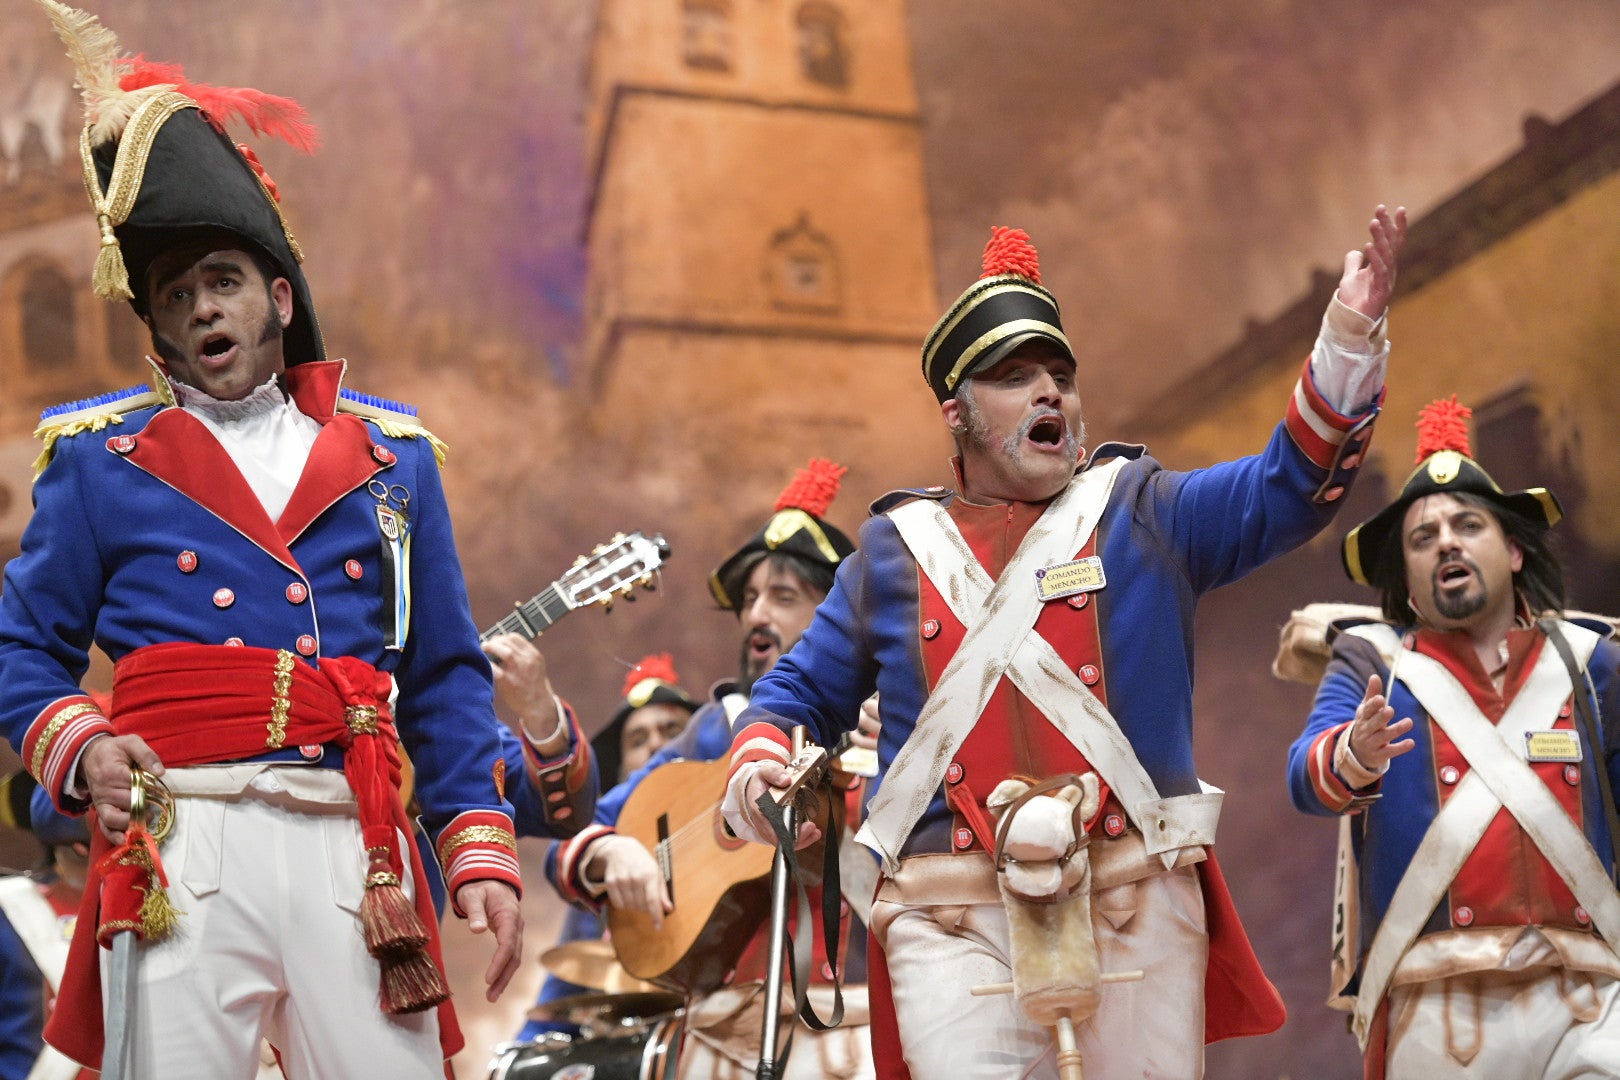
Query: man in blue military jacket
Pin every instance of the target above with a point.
(1038, 623)
(268, 560)
(1469, 737)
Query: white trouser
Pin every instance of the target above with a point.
(844, 1053)
(1147, 1030)
(1552, 1024)
(269, 945)
(724, 1034)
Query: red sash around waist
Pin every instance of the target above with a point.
(210, 704)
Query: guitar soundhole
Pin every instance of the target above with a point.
(723, 836)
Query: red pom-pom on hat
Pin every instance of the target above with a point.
(660, 666)
(1010, 252)
(813, 488)
(1442, 424)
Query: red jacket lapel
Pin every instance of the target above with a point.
(340, 461)
(176, 448)
(314, 385)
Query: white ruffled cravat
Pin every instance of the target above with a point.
(264, 433)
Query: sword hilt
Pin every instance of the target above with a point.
(137, 795)
(148, 796)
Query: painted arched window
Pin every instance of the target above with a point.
(802, 269)
(823, 49)
(45, 305)
(706, 35)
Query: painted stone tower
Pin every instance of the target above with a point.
(760, 266)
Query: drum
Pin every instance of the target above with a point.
(642, 1052)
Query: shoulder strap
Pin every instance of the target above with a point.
(998, 616)
(1585, 704)
(34, 920)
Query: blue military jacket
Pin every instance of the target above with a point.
(144, 531)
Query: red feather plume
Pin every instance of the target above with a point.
(1442, 424)
(660, 666)
(264, 114)
(1010, 252)
(813, 488)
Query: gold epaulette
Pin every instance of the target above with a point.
(89, 414)
(392, 418)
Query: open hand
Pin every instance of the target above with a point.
(1372, 736)
(494, 904)
(1369, 273)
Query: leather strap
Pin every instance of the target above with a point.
(35, 922)
(1045, 787)
(1585, 705)
(801, 949)
(1168, 824)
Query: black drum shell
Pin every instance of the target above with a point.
(648, 1053)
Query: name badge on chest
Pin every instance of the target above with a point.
(1556, 745)
(1068, 578)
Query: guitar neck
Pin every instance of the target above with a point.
(532, 617)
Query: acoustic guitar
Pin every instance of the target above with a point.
(610, 572)
(720, 884)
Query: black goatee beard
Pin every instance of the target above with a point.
(1466, 605)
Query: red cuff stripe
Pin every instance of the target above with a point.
(1314, 425)
(478, 845)
(1329, 788)
(759, 742)
(55, 738)
(570, 860)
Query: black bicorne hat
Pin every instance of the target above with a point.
(1445, 466)
(652, 681)
(797, 527)
(1006, 307)
(161, 172)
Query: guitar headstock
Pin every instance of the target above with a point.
(614, 570)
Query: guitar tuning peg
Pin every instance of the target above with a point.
(629, 597)
(581, 560)
(607, 603)
(618, 538)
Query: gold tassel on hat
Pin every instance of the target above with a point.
(111, 278)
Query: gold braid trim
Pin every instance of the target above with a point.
(475, 834)
(275, 204)
(111, 277)
(396, 430)
(280, 701)
(42, 748)
(94, 418)
(49, 433)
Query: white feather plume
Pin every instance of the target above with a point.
(94, 51)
